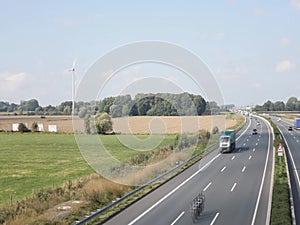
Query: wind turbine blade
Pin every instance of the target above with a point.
(74, 63)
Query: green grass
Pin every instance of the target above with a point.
(32, 161)
(280, 213)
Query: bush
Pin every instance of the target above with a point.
(22, 128)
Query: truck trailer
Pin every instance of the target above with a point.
(227, 141)
(297, 123)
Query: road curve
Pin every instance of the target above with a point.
(236, 187)
(292, 140)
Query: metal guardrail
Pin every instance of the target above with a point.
(203, 153)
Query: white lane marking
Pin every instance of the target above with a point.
(233, 187)
(171, 192)
(264, 175)
(254, 150)
(258, 139)
(247, 139)
(240, 149)
(232, 158)
(250, 157)
(256, 144)
(297, 140)
(181, 214)
(214, 219)
(244, 144)
(207, 186)
(223, 169)
(243, 170)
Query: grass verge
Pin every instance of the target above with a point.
(281, 208)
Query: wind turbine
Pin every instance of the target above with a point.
(73, 85)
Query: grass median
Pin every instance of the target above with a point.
(281, 208)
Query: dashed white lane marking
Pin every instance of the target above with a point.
(207, 186)
(297, 141)
(223, 169)
(239, 150)
(247, 139)
(254, 150)
(233, 187)
(250, 157)
(244, 144)
(181, 214)
(214, 219)
(258, 139)
(171, 192)
(232, 158)
(243, 170)
(256, 144)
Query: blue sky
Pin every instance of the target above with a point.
(252, 47)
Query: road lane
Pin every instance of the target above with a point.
(231, 190)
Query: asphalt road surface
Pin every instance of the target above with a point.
(236, 187)
(292, 139)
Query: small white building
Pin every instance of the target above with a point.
(52, 128)
(40, 127)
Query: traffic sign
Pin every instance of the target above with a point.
(280, 150)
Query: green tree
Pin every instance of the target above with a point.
(87, 123)
(22, 128)
(291, 104)
(103, 123)
(34, 126)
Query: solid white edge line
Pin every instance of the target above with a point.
(233, 187)
(207, 186)
(264, 174)
(214, 219)
(181, 214)
(170, 193)
(297, 176)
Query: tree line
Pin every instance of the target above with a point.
(292, 104)
(160, 104)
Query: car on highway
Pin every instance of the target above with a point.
(254, 132)
(290, 128)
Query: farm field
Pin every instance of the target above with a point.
(125, 125)
(31, 161)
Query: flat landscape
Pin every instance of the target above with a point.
(125, 125)
(32, 161)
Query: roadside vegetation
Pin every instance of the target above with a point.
(281, 208)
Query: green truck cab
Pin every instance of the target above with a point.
(227, 141)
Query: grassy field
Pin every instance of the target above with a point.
(31, 161)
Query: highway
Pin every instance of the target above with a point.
(292, 139)
(237, 187)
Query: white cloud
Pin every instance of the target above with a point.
(285, 41)
(219, 36)
(230, 72)
(258, 12)
(212, 37)
(284, 66)
(12, 81)
(295, 4)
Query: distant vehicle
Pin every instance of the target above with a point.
(227, 141)
(254, 132)
(278, 120)
(258, 123)
(297, 123)
(290, 128)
